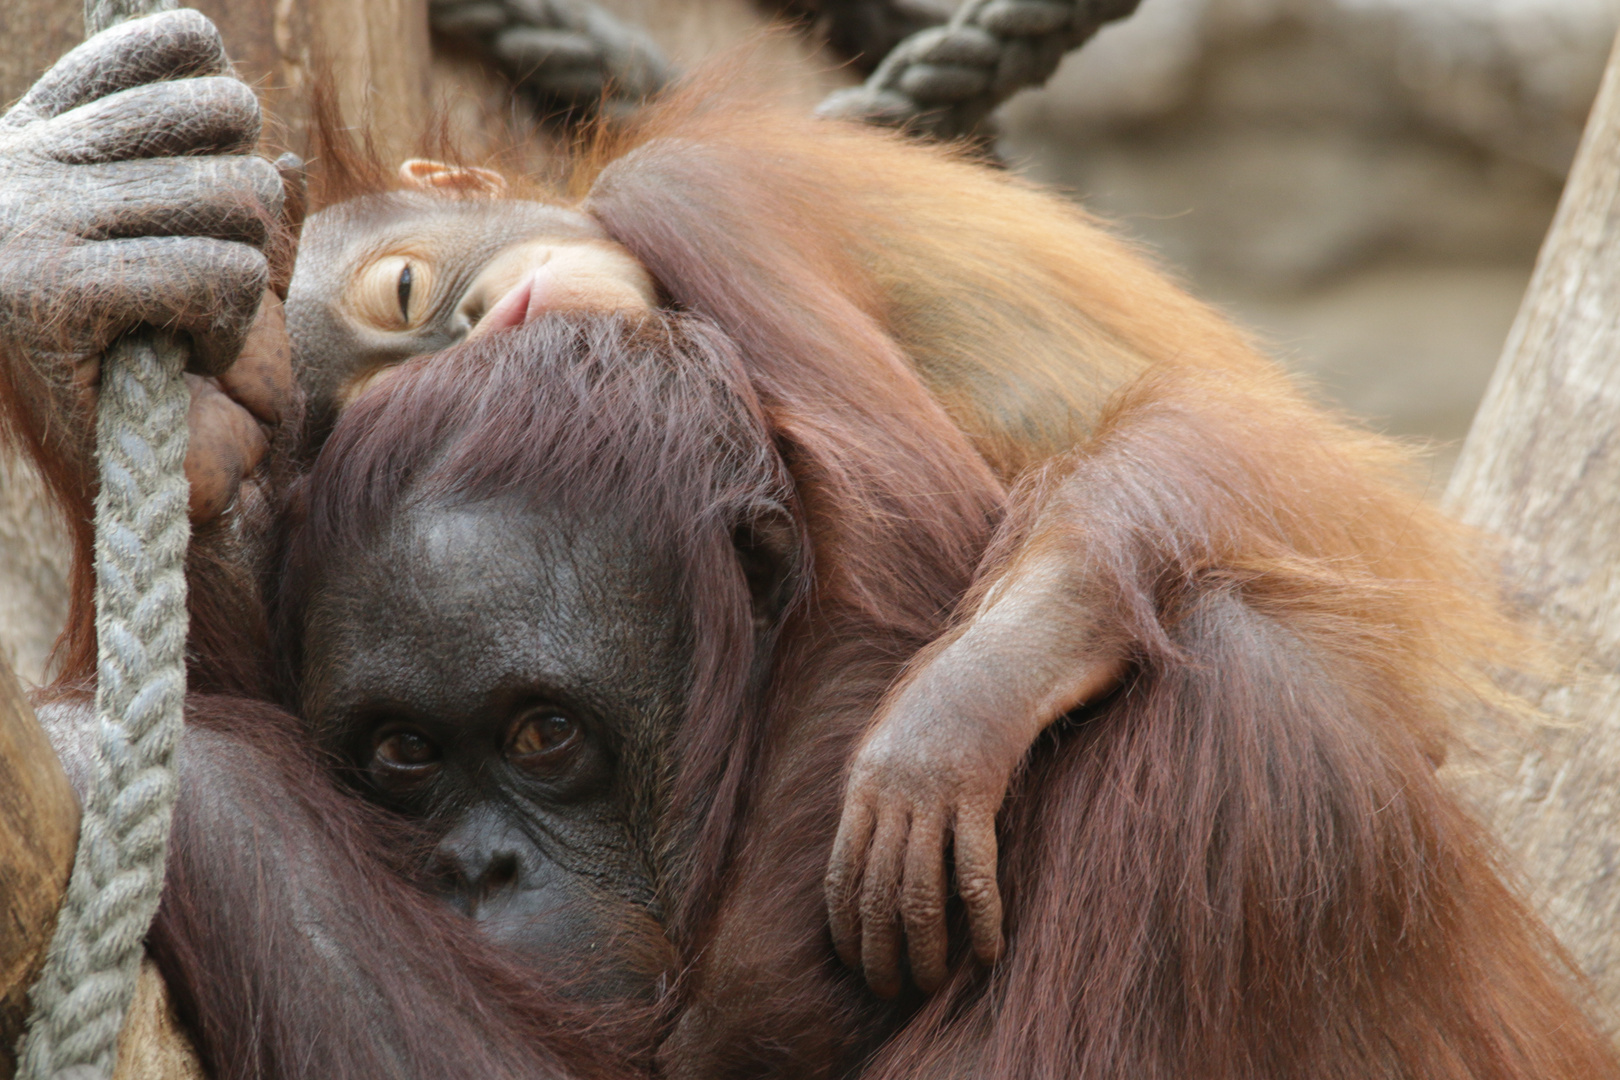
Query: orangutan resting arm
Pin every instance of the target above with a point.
(130, 194)
(936, 765)
(1195, 481)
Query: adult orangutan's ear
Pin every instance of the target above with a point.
(429, 175)
(772, 550)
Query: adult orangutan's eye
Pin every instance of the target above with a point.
(403, 755)
(404, 290)
(542, 740)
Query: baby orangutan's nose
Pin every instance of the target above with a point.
(535, 293)
(532, 279)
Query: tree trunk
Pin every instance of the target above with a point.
(1541, 470)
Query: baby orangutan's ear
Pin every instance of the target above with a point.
(430, 175)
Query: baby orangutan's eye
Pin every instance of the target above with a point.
(404, 290)
(394, 293)
(542, 740)
(402, 756)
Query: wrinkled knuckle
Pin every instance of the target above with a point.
(840, 884)
(978, 890)
(235, 100)
(244, 198)
(888, 771)
(218, 113)
(266, 180)
(219, 279)
(246, 273)
(921, 909)
(224, 302)
(877, 903)
(861, 802)
(191, 38)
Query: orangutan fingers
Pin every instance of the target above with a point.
(207, 289)
(226, 444)
(283, 247)
(235, 197)
(922, 900)
(880, 887)
(216, 115)
(843, 883)
(262, 380)
(167, 46)
(975, 845)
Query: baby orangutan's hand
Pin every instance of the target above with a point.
(928, 775)
(233, 414)
(933, 772)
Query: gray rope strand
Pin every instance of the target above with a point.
(142, 533)
(944, 81)
(867, 30)
(568, 53)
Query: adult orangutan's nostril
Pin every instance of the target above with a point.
(478, 860)
(502, 873)
(451, 885)
(474, 879)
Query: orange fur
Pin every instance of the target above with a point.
(1241, 865)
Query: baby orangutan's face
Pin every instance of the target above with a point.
(386, 277)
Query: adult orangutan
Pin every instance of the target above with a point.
(1239, 864)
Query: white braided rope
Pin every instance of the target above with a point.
(142, 532)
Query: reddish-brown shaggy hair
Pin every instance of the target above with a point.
(878, 528)
(652, 417)
(1241, 865)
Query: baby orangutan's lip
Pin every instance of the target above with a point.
(534, 294)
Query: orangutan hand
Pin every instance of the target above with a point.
(232, 414)
(934, 770)
(930, 773)
(130, 194)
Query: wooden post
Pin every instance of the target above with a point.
(1541, 470)
(39, 830)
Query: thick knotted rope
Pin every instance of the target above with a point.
(142, 532)
(945, 80)
(567, 53)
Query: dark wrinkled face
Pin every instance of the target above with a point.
(386, 277)
(509, 674)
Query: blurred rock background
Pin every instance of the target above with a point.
(1364, 183)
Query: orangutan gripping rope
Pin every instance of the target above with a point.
(1234, 862)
